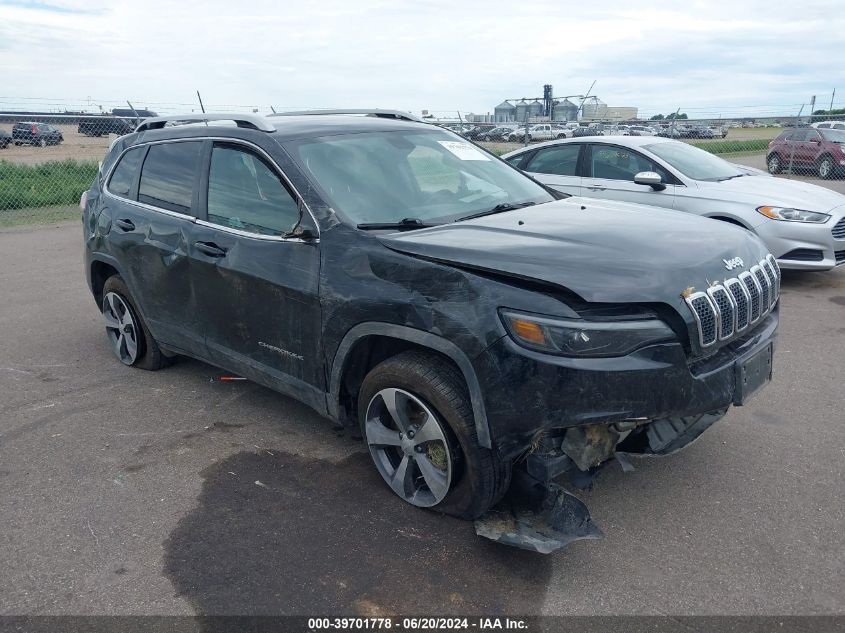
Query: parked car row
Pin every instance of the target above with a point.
(479, 326)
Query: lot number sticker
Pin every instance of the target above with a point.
(464, 151)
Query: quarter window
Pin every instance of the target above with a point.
(561, 160)
(168, 175)
(245, 193)
(123, 175)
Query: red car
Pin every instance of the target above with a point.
(822, 151)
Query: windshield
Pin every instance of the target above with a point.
(835, 136)
(693, 162)
(428, 175)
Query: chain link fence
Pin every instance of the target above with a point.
(48, 159)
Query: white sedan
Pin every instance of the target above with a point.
(803, 225)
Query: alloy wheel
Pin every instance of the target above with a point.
(409, 447)
(121, 328)
(774, 164)
(825, 168)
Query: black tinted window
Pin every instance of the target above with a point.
(167, 179)
(561, 160)
(123, 175)
(245, 193)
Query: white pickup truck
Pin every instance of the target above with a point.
(541, 132)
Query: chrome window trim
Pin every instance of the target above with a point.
(715, 309)
(712, 290)
(734, 281)
(193, 218)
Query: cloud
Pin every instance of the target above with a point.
(438, 55)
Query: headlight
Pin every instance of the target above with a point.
(575, 337)
(794, 215)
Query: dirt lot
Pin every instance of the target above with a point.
(130, 492)
(75, 145)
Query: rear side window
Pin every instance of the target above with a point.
(561, 160)
(245, 193)
(123, 175)
(168, 175)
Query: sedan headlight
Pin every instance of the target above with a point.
(576, 337)
(794, 215)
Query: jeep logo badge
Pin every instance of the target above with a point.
(736, 262)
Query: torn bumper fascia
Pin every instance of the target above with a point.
(537, 517)
(528, 393)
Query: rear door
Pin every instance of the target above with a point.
(256, 288)
(557, 167)
(610, 170)
(151, 212)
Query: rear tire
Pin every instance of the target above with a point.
(131, 340)
(773, 163)
(826, 168)
(477, 477)
(42, 142)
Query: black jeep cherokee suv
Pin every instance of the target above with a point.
(390, 274)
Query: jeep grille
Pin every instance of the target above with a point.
(729, 308)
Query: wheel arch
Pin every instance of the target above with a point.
(375, 342)
(99, 271)
(729, 219)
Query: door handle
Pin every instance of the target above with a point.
(596, 188)
(211, 249)
(125, 225)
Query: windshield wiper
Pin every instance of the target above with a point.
(403, 224)
(729, 177)
(499, 208)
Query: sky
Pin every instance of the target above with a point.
(708, 58)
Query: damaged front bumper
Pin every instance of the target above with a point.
(528, 393)
(569, 418)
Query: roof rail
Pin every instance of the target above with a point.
(385, 114)
(252, 121)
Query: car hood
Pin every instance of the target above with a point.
(602, 250)
(781, 192)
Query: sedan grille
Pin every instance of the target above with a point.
(728, 309)
(839, 230)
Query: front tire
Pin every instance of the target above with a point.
(826, 168)
(129, 336)
(42, 142)
(773, 163)
(417, 420)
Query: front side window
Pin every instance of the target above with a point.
(123, 175)
(561, 160)
(245, 193)
(168, 175)
(429, 175)
(621, 163)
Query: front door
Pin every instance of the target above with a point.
(257, 285)
(609, 173)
